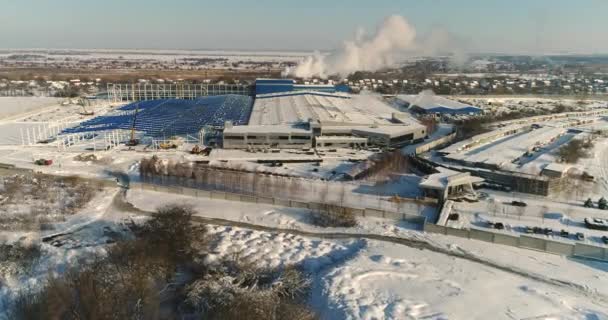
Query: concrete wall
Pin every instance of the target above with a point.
(532, 243)
(525, 242)
(506, 239)
(358, 212)
(592, 252)
(435, 143)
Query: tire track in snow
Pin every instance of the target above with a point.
(121, 203)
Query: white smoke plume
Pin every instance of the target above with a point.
(394, 40)
(394, 36)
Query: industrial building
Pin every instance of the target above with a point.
(282, 114)
(280, 136)
(448, 183)
(330, 119)
(432, 104)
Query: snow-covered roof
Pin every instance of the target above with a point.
(446, 177)
(328, 109)
(558, 167)
(434, 103)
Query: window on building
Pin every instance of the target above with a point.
(234, 138)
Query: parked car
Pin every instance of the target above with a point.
(548, 231)
(518, 203)
(537, 230)
(529, 230)
(564, 233)
(596, 223)
(499, 225)
(605, 239)
(580, 236)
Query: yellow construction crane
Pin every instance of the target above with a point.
(132, 141)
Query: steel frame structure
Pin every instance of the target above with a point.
(119, 92)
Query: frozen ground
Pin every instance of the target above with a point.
(365, 279)
(377, 280)
(87, 233)
(260, 214)
(388, 281)
(11, 106)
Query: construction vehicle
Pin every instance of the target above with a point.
(132, 141)
(205, 151)
(171, 143)
(43, 162)
(167, 145)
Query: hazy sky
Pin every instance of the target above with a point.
(486, 25)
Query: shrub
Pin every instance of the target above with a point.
(574, 150)
(234, 289)
(334, 216)
(169, 231)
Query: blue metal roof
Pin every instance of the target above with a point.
(168, 117)
(263, 86)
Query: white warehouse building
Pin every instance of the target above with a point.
(324, 120)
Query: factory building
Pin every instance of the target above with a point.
(263, 137)
(304, 119)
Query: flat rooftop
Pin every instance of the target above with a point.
(512, 147)
(327, 108)
(434, 103)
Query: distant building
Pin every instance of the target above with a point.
(430, 103)
(266, 86)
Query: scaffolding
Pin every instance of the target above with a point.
(118, 92)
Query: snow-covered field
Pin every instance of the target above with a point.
(162, 55)
(388, 281)
(11, 106)
(368, 279)
(365, 279)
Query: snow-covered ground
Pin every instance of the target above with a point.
(365, 279)
(11, 106)
(86, 234)
(498, 104)
(389, 281)
(368, 279)
(260, 214)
